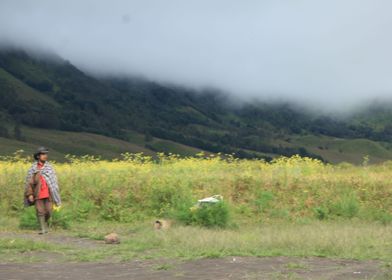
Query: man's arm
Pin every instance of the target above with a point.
(29, 191)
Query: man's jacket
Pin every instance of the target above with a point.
(33, 183)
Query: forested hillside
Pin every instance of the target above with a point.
(49, 93)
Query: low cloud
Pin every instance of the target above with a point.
(329, 54)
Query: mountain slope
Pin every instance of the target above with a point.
(50, 93)
(62, 143)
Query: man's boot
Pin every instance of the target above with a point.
(42, 224)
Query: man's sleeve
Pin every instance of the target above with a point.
(57, 196)
(28, 183)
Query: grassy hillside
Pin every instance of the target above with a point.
(336, 150)
(21, 90)
(62, 143)
(81, 114)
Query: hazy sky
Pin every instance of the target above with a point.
(332, 53)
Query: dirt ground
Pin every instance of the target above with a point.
(222, 268)
(225, 268)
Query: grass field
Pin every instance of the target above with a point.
(344, 240)
(292, 206)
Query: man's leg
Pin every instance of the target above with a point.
(48, 212)
(40, 210)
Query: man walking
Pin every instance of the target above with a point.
(42, 188)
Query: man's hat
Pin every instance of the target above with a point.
(40, 150)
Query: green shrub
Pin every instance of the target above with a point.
(264, 200)
(347, 207)
(321, 213)
(117, 209)
(207, 215)
(161, 200)
(166, 197)
(82, 209)
(111, 209)
(28, 218)
(60, 219)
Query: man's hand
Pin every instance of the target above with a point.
(31, 198)
(56, 208)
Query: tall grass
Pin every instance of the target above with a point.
(136, 187)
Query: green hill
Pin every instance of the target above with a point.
(62, 143)
(48, 101)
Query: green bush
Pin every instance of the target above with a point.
(207, 215)
(117, 209)
(82, 209)
(28, 218)
(60, 219)
(321, 213)
(166, 197)
(111, 209)
(347, 206)
(264, 200)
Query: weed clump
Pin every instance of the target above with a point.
(211, 215)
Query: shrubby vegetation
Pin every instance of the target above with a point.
(137, 188)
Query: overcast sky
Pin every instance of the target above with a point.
(332, 53)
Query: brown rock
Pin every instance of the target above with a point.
(112, 238)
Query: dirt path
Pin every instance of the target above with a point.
(54, 266)
(225, 268)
